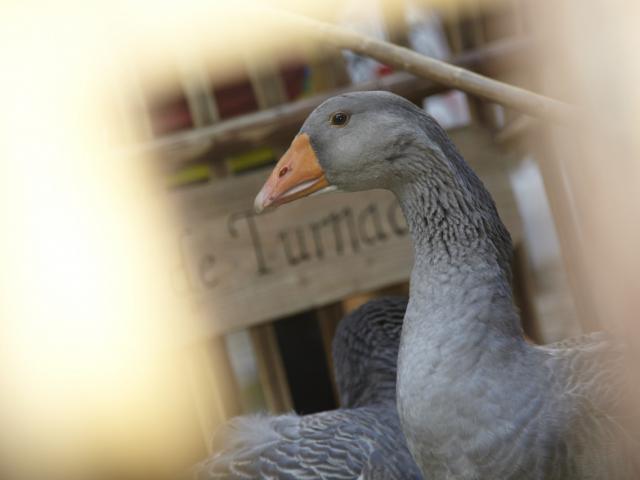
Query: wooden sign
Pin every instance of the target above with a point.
(240, 269)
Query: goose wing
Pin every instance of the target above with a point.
(589, 373)
(332, 445)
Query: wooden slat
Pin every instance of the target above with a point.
(197, 86)
(516, 129)
(395, 21)
(526, 133)
(271, 372)
(267, 84)
(203, 393)
(221, 373)
(453, 29)
(328, 68)
(242, 269)
(475, 11)
(270, 92)
(213, 386)
(550, 150)
(328, 319)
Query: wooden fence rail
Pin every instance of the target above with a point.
(426, 67)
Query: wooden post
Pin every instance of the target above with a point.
(327, 67)
(270, 92)
(522, 132)
(213, 386)
(271, 372)
(197, 87)
(550, 150)
(477, 26)
(452, 28)
(266, 82)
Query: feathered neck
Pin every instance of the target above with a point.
(460, 243)
(451, 215)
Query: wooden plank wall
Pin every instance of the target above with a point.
(246, 269)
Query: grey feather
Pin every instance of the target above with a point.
(475, 400)
(341, 444)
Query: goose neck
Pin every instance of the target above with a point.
(461, 277)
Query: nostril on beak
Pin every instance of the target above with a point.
(283, 171)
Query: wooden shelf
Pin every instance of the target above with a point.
(275, 124)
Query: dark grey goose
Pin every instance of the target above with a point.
(361, 439)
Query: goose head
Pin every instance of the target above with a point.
(351, 142)
(378, 140)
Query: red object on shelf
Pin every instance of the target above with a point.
(169, 115)
(383, 70)
(235, 98)
(294, 77)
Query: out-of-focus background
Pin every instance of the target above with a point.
(144, 303)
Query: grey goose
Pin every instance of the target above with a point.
(476, 401)
(361, 439)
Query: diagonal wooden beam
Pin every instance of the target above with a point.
(438, 71)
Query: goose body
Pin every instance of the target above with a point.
(475, 400)
(362, 439)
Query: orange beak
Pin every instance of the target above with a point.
(297, 174)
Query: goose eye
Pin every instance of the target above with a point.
(339, 119)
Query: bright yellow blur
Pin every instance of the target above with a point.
(91, 374)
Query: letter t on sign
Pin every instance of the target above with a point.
(255, 237)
